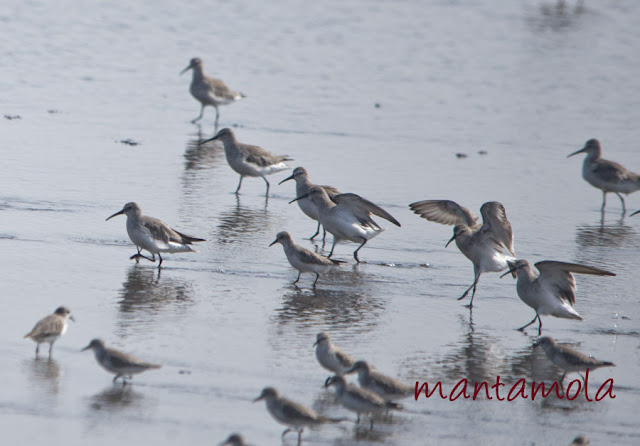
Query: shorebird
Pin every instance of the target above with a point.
(568, 359)
(303, 184)
(608, 176)
(331, 357)
(488, 246)
(360, 401)
(302, 259)
(122, 364)
(234, 440)
(347, 217)
(383, 385)
(50, 328)
(153, 235)
(293, 415)
(580, 440)
(552, 291)
(247, 160)
(209, 91)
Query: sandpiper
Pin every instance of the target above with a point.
(303, 184)
(488, 246)
(50, 328)
(293, 415)
(122, 364)
(347, 217)
(153, 235)
(385, 386)
(302, 259)
(209, 91)
(568, 359)
(331, 357)
(606, 175)
(552, 291)
(234, 440)
(359, 400)
(247, 160)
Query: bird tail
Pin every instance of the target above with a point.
(187, 239)
(567, 312)
(334, 420)
(392, 405)
(607, 364)
(337, 262)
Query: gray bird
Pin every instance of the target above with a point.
(347, 217)
(234, 440)
(293, 415)
(248, 160)
(153, 235)
(489, 246)
(568, 359)
(608, 176)
(385, 386)
(302, 259)
(50, 328)
(209, 91)
(552, 291)
(331, 357)
(122, 364)
(359, 400)
(303, 184)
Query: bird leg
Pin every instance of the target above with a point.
(624, 208)
(371, 420)
(604, 201)
(139, 254)
(300, 436)
(299, 272)
(324, 234)
(332, 247)
(355, 253)
(160, 257)
(193, 121)
(50, 348)
(217, 118)
(316, 281)
(525, 326)
(317, 232)
(239, 184)
(473, 286)
(37, 349)
(267, 193)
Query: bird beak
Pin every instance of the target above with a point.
(186, 69)
(326, 383)
(350, 370)
(450, 240)
(72, 318)
(636, 212)
(315, 343)
(208, 140)
(511, 271)
(273, 243)
(258, 399)
(117, 213)
(300, 197)
(286, 179)
(86, 348)
(576, 152)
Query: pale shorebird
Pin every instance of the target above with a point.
(302, 259)
(303, 184)
(50, 328)
(247, 160)
(568, 359)
(347, 217)
(383, 385)
(293, 415)
(153, 235)
(122, 364)
(234, 440)
(331, 357)
(489, 246)
(359, 400)
(608, 176)
(552, 291)
(209, 91)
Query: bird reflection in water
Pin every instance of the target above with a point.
(604, 235)
(556, 15)
(115, 398)
(240, 223)
(44, 375)
(200, 156)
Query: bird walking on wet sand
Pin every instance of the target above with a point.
(153, 235)
(234, 440)
(209, 91)
(303, 184)
(50, 328)
(293, 415)
(359, 400)
(247, 160)
(568, 359)
(302, 259)
(552, 290)
(608, 176)
(488, 246)
(387, 387)
(347, 217)
(331, 357)
(122, 364)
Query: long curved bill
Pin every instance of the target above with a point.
(273, 243)
(451, 239)
(512, 270)
(116, 214)
(208, 140)
(300, 197)
(576, 152)
(286, 179)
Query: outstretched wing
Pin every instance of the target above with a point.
(558, 276)
(363, 208)
(494, 219)
(446, 212)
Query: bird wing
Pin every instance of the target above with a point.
(261, 157)
(558, 276)
(218, 87)
(494, 219)
(344, 359)
(312, 258)
(388, 384)
(121, 360)
(576, 358)
(446, 212)
(295, 411)
(187, 239)
(611, 171)
(50, 325)
(363, 208)
(331, 191)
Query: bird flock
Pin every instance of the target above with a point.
(549, 288)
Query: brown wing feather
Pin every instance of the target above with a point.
(446, 212)
(365, 208)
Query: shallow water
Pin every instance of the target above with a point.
(523, 81)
